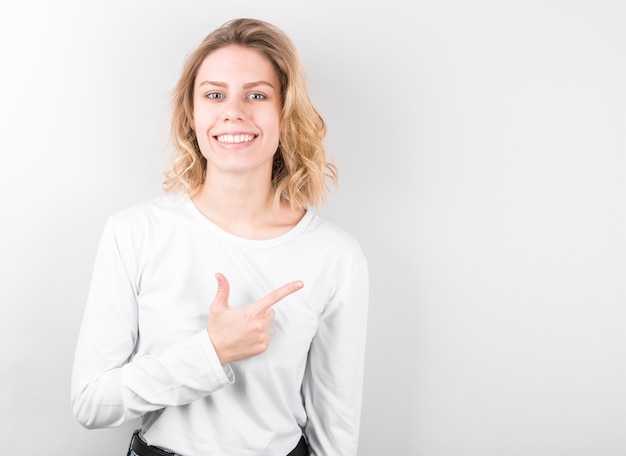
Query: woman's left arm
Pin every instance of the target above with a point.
(333, 383)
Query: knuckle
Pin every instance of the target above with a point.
(258, 327)
(264, 344)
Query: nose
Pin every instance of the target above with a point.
(233, 109)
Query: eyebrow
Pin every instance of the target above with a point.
(247, 85)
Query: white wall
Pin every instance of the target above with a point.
(481, 146)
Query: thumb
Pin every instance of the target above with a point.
(220, 302)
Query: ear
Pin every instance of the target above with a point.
(190, 124)
(189, 114)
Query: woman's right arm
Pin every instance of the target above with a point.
(109, 384)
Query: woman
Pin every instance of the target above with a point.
(226, 313)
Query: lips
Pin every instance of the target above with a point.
(234, 139)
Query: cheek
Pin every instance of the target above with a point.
(199, 125)
(273, 123)
(273, 134)
(200, 122)
(196, 117)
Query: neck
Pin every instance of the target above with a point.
(238, 201)
(244, 209)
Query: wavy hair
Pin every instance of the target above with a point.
(300, 169)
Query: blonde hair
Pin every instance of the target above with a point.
(301, 168)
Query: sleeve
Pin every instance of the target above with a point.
(109, 384)
(333, 382)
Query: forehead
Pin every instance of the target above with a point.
(235, 64)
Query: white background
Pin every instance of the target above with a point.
(481, 146)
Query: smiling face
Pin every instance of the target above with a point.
(236, 111)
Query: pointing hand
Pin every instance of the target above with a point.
(241, 332)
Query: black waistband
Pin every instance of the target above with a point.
(139, 446)
(301, 449)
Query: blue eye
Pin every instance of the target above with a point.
(214, 96)
(256, 96)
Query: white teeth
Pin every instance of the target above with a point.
(234, 139)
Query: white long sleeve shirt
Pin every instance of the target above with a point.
(143, 348)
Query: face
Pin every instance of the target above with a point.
(236, 114)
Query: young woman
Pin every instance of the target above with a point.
(226, 313)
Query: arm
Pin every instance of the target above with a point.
(109, 384)
(333, 382)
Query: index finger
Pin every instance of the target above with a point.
(272, 298)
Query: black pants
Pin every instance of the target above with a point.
(140, 448)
